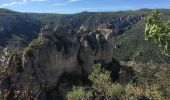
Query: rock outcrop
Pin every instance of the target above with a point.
(62, 52)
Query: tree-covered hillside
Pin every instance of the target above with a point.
(28, 25)
(132, 46)
(130, 42)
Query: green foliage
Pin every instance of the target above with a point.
(151, 77)
(36, 43)
(33, 44)
(157, 31)
(103, 88)
(99, 77)
(79, 93)
(136, 92)
(133, 46)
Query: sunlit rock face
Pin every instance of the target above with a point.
(63, 52)
(96, 46)
(49, 60)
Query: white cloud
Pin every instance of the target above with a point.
(38, 0)
(20, 2)
(59, 4)
(65, 3)
(12, 3)
(72, 0)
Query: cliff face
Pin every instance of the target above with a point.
(120, 23)
(49, 60)
(60, 51)
(63, 50)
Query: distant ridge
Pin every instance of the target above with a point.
(3, 10)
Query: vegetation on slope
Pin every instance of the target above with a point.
(28, 25)
(103, 88)
(2, 10)
(158, 32)
(132, 46)
(35, 43)
(151, 80)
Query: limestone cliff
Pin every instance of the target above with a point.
(61, 50)
(66, 53)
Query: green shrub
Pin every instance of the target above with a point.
(79, 93)
(157, 31)
(33, 44)
(102, 85)
(103, 88)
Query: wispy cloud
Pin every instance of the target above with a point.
(20, 2)
(12, 3)
(39, 0)
(73, 0)
(67, 2)
(59, 4)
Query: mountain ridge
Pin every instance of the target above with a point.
(28, 25)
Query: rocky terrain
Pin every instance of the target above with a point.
(62, 52)
(26, 26)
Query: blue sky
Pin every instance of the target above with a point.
(75, 6)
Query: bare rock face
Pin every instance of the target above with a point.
(58, 51)
(96, 46)
(48, 61)
(63, 52)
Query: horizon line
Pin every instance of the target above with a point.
(123, 10)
